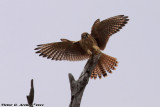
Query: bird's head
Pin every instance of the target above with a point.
(84, 35)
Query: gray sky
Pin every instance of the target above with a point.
(27, 23)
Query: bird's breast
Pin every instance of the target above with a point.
(88, 44)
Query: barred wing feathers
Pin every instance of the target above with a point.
(101, 31)
(67, 50)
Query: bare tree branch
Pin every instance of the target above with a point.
(77, 87)
(30, 98)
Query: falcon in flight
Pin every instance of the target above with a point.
(89, 44)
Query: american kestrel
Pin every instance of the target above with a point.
(89, 44)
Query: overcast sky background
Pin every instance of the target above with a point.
(27, 23)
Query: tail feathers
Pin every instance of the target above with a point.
(105, 63)
(96, 72)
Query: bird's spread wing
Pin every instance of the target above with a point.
(65, 50)
(101, 31)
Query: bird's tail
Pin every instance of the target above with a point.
(105, 63)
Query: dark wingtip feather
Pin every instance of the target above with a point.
(48, 57)
(44, 55)
(120, 27)
(38, 52)
(120, 15)
(125, 23)
(41, 54)
(40, 45)
(105, 75)
(36, 48)
(127, 19)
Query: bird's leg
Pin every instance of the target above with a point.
(96, 49)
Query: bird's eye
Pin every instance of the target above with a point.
(86, 36)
